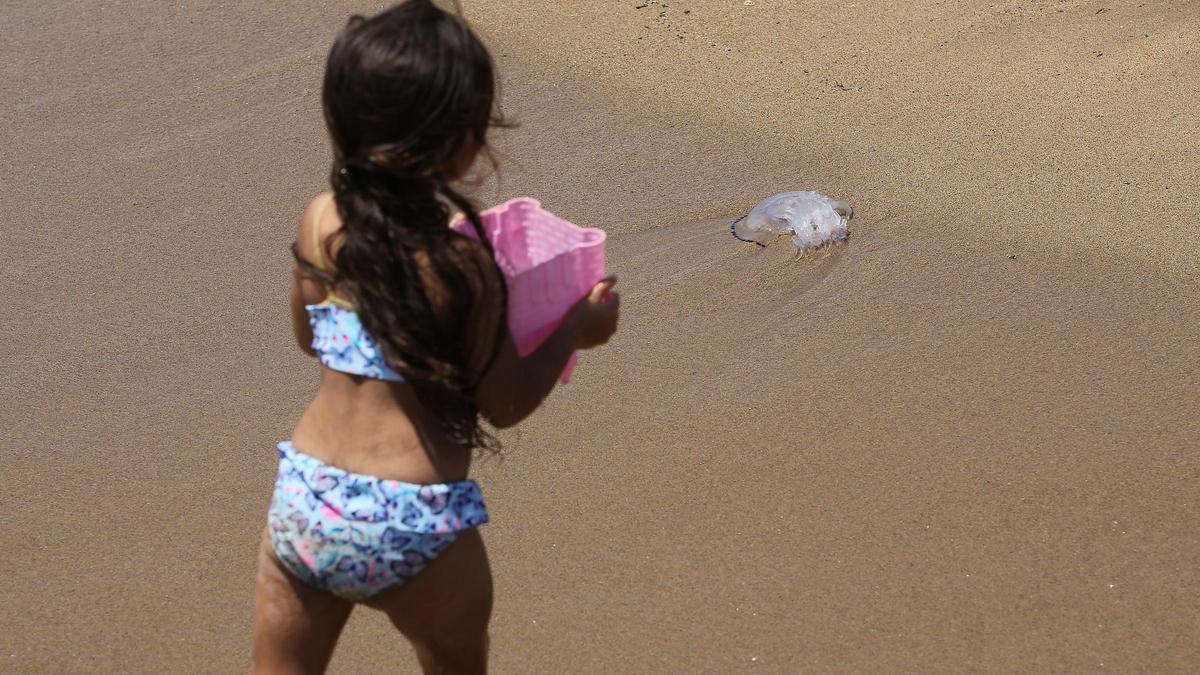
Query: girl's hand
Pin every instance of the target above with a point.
(597, 314)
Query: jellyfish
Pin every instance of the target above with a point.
(812, 219)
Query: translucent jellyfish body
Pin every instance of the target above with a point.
(812, 219)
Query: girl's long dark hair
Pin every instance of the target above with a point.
(408, 101)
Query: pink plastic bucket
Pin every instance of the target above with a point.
(549, 264)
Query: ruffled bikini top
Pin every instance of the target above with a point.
(339, 339)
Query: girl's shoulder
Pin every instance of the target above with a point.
(319, 221)
(315, 242)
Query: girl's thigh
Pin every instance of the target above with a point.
(447, 605)
(295, 626)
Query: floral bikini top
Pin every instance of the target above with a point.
(339, 339)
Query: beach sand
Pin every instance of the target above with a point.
(966, 440)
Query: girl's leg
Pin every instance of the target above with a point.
(444, 610)
(295, 625)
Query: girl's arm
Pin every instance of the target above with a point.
(305, 289)
(513, 387)
(300, 325)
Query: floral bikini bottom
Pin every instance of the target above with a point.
(355, 535)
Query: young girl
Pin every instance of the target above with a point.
(407, 318)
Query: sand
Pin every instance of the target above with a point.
(964, 441)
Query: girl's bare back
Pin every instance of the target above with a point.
(361, 424)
